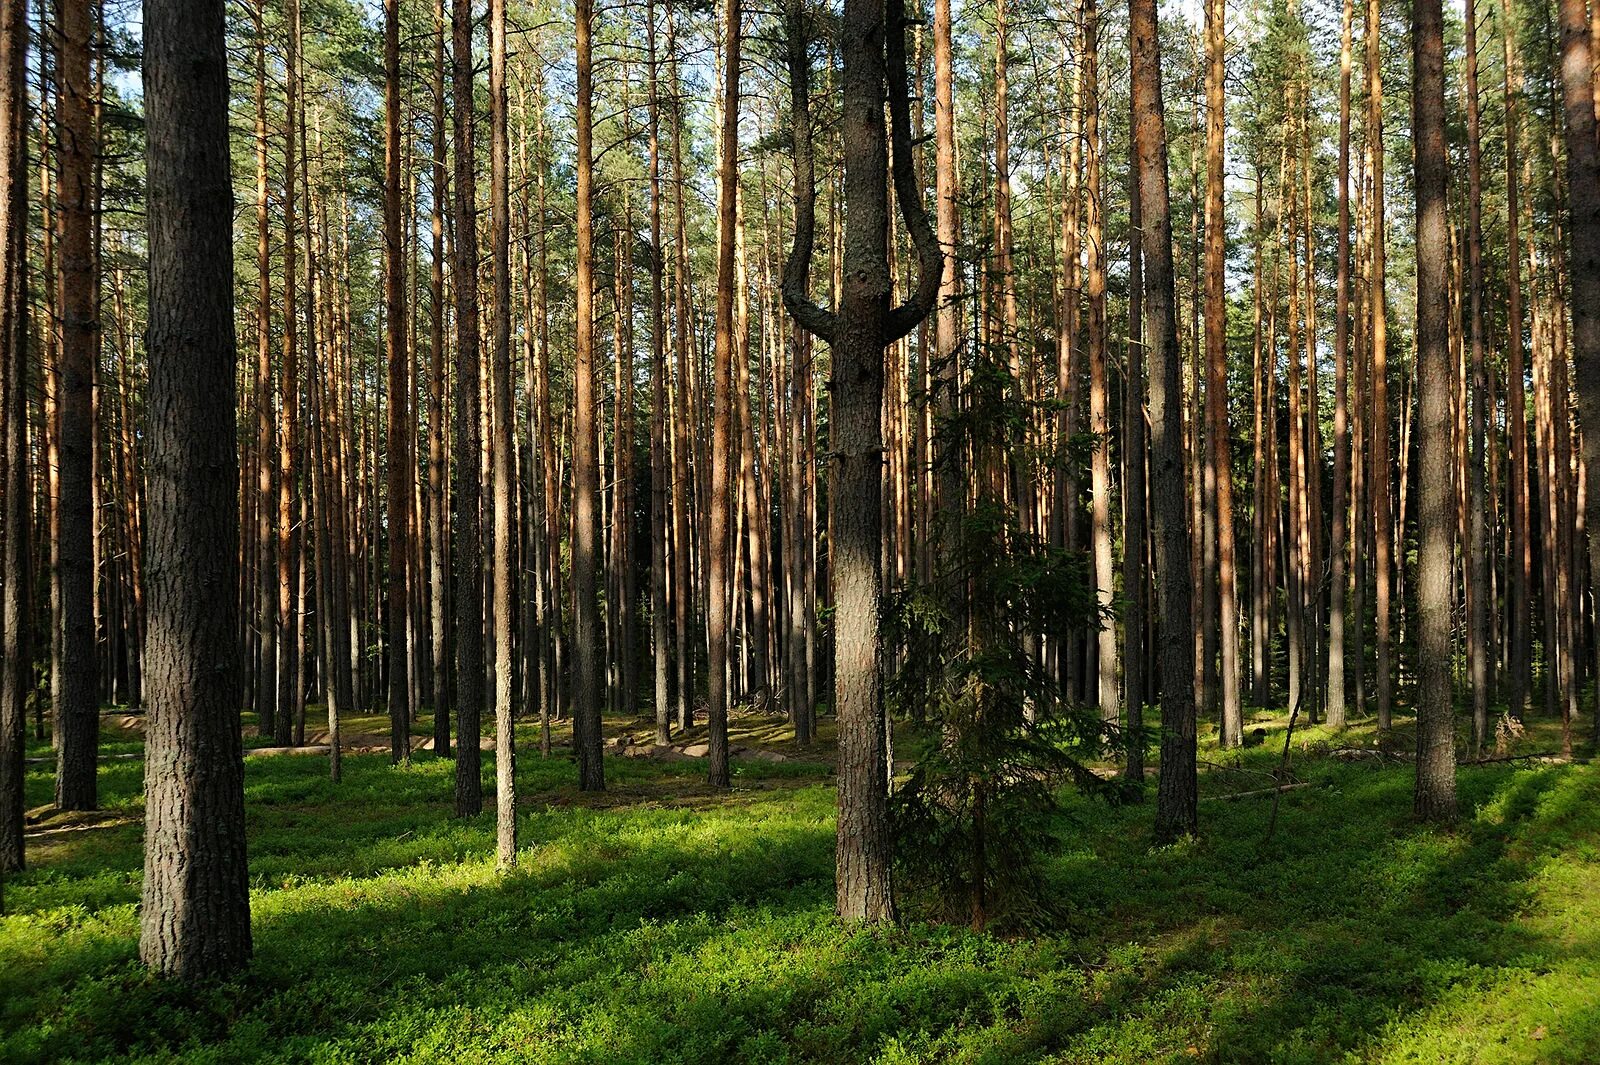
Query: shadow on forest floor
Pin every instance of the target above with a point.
(669, 923)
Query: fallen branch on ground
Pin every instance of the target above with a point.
(1261, 791)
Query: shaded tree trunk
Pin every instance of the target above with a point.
(77, 711)
(1218, 431)
(465, 533)
(195, 903)
(1583, 200)
(861, 326)
(16, 493)
(1435, 798)
(1176, 797)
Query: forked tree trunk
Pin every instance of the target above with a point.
(862, 325)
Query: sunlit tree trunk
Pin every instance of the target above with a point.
(77, 711)
(1380, 481)
(503, 453)
(718, 616)
(1219, 432)
(588, 678)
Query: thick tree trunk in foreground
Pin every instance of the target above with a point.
(863, 324)
(1435, 798)
(1176, 797)
(1583, 200)
(195, 916)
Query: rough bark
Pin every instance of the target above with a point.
(195, 905)
(1435, 797)
(77, 711)
(1177, 794)
(863, 324)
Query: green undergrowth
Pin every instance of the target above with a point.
(665, 922)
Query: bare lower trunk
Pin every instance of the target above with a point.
(465, 535)
(1435, 798)
(586, 646)
(195, 905)
(1176, 798)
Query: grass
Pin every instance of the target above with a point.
(663, 922)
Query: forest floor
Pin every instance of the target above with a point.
(665, 922)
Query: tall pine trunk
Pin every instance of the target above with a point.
(195, 904)
(1176, 798)
(1435, 798)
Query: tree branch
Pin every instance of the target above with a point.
(930, 256)
(797, 270)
